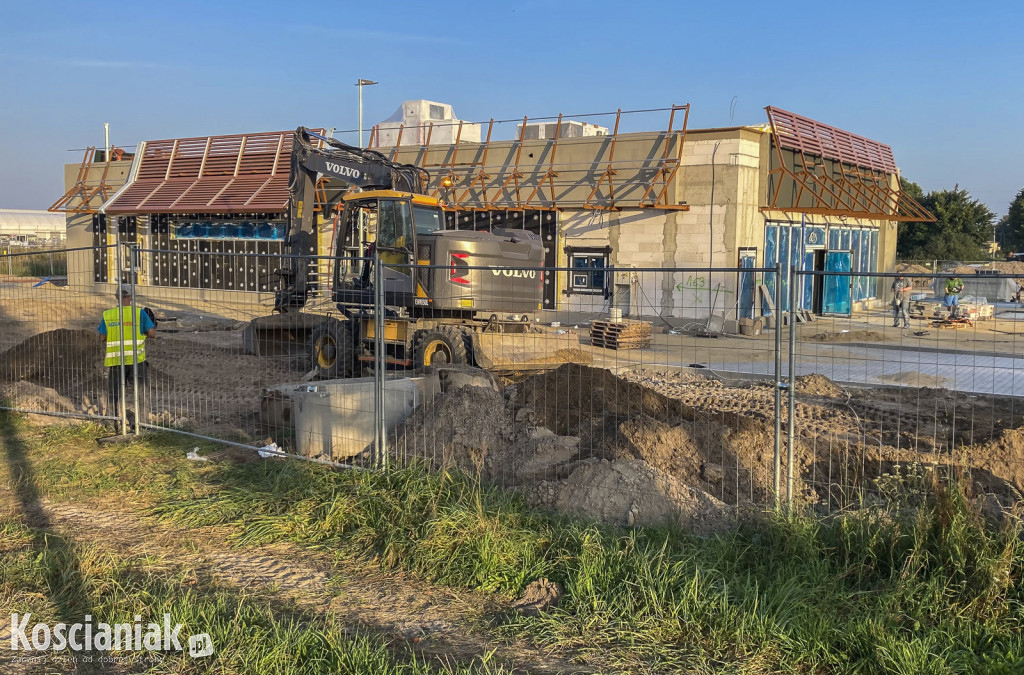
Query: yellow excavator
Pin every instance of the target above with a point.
(446, 293)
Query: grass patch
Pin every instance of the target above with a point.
(929, 589)
(252, 632)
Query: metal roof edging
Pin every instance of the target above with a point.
(133, 174)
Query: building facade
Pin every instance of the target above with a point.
(613, 211)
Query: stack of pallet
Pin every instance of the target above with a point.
(625, 334)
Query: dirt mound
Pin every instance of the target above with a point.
(478, 430)
(849, 336)
(729, 460)
(916, 282)
(631, 492)
(818, 385)
(210, 387)
(457, 430)
(568, 399)
(56, 358)
(28, 396)
(504, 438)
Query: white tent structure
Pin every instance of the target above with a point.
(26, 227)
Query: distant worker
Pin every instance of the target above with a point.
(125, 334)
(954, 287)
(901, 288)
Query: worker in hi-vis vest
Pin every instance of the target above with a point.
(125, 337)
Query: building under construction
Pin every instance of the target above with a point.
(789, 191)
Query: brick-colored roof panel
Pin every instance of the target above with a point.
(795, 132)
(223, 174)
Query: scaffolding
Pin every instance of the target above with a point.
(79, 198)
(467, 179)
(823, 170)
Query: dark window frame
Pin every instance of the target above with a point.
(606, 271)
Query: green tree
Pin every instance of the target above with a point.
(911, 189)
(1010, 230)
(961, 231)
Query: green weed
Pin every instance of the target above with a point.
(928, 587)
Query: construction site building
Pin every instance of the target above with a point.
(790, 192)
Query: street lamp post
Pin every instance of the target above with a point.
(362, 83)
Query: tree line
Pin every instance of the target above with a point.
(963, 226)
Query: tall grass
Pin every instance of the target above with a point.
(928, 588)
(252, 631)
(35, 264)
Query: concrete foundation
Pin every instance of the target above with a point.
(334, 419)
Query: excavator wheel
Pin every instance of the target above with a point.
(332, 350)
(440, 347)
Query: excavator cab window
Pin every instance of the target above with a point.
(394, 225)
(429, 219)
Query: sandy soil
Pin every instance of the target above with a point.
(208, 385)
(656, 446)
(679, 447)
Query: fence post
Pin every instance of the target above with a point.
(122, 402)
(791, 388)
(380, 362)
(777, 465)
(133, 252)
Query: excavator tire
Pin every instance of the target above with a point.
(332, 350)
(440, 347)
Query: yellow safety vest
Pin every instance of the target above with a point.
(118, 340)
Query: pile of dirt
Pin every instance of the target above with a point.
(849, 336)
(631, 492)
(60, 359)
(726, 456)
(569, 438)
(916, 282)
(654, 447)
(459, 429)
(203, 386)
(568, 399)
(818, 385)
(28, 396)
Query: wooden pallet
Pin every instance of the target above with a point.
(625, 334)
(952, 323)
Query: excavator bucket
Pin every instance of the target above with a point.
(519, 352)
(280, 334)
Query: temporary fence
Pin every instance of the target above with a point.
(648, 394)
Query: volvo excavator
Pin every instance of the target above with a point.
(442, 289)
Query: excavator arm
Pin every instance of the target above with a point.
(313, 156)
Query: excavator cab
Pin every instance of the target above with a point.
(394, 226)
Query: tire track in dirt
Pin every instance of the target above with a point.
(430, 620)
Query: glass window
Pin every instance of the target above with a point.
(386, 224)
(858, 282)
(771, 258)
(394, 228)
(588, 272)
(429, 219)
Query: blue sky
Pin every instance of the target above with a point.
(939, 81)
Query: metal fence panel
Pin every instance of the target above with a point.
(883, 410)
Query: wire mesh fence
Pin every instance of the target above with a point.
(922, 387)
(647, 395)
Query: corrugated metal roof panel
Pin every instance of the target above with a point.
(224, 174)
(795, 132)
